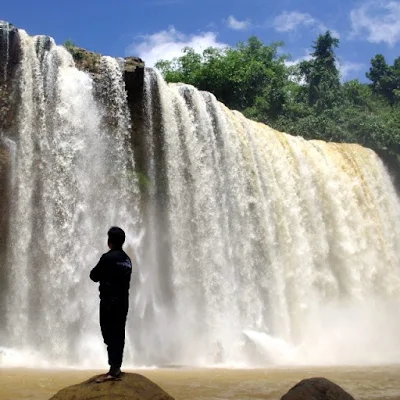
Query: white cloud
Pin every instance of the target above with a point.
(167, 44)
(291, 21)
(237, 25)
(347, 68)
(379, 20)
(296, 61)
(298, 78)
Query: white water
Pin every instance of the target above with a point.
(70, 184)
(253, 247)
(297, 242)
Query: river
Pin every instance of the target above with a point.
(381, 382)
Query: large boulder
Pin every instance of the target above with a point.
(130, 387)
(316, 389)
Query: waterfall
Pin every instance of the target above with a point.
(252, 247)
(278, 244)
(74, 178)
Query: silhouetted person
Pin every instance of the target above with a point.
(113, 271)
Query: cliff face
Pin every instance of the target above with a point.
(9, 59)
(392, 163)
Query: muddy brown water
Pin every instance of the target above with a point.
(210, 384)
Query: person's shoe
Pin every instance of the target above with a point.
(115, 372)
(105, 378)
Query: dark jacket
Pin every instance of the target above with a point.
(113, 271)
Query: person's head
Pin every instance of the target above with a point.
(116, 238)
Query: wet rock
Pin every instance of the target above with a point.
(134, 74)
(5, 161)
(10, 56)
(392, 164)
(130, 387)
(132, 63)
(317, 389)
(9, 50)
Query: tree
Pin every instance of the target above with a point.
(385, 79)
(321, 73)
(249, 78)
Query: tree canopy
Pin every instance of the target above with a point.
(307, 99)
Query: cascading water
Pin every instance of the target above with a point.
(282, 250)
(72, 180)
(253, 247)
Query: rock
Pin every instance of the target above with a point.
(85, 60)
(9, 49)
(5, 166)
(134, 75)
(131, 63)
(130, 387)
(10, 55)
(392, 163)
(316, 389)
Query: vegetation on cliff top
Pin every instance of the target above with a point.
(307, 99)
(86, 60)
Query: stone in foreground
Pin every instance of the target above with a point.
(130, 387)
(317, 389)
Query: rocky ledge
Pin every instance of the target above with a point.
(89, 61)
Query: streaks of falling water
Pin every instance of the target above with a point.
(272, 234)
(74, 178)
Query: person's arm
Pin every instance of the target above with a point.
(97, 272)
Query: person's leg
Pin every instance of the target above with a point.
(106, 325)
(117, 340)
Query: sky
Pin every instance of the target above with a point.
(159, 29)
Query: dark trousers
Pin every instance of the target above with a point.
(112, 323)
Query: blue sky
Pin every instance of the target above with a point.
(154, 29)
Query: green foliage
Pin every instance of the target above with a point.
(385, 79)
(73, 49)
(84, 59)
(306, 99)
(246, 78)
(69, 44)
(321, 73)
